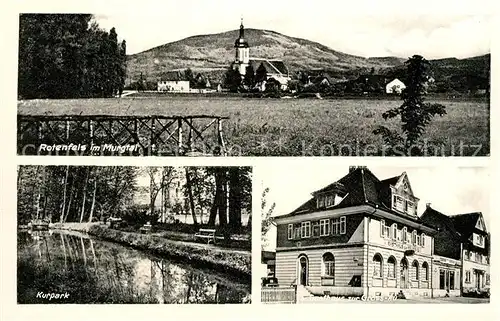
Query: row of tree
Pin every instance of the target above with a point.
(90, 193)
(68, 56)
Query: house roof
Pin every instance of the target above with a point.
(439, 220)
(173, 75)
(466, 223)
(361, 187)
(272, 66)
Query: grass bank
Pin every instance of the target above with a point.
(233, 262)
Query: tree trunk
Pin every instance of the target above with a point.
(223, 199)
(71, 194)
(93, 201)
(64, 194)
(217, 198)
(234, 198)
(84, 194)
(190, 194)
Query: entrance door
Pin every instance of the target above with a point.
(303, 270)
(404, 274)
(478, 278)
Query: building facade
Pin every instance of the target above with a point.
(462, 253)
(396, 86)
(357, 236)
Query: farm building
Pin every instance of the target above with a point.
(173, 81)
(396, 86)
(275, 68)
(357, 236)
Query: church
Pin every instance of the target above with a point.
(275, 68)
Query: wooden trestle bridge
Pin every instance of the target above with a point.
(120, 135)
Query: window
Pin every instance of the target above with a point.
(305, 229)
(377, 265)
(315, 229)
(414, 267)
(338, 225)
(398, 203)
(487, 279)
(342, 225)
(414, 237)
(442, 279)
(410, 207)
(328, 269)
(391, 262)
(384, 229)
(452, 280)
(404, 236)
(324, 227)
(422, 240)
(330, 200)
(394, 231)
(425, 267)
(297, 232)
(418, 239)
(467, 276)
(321, 201)
(467, 255)
(290, 231)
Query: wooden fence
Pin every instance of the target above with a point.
(120, 135)
(278, 295)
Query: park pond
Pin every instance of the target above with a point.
(84, 269)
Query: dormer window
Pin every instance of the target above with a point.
(328, 200)
(404, 205)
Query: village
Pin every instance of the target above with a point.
(360, 238)
(248, 74)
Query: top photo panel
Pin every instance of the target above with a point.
(250, 82)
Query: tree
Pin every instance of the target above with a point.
(261, 74)
(190, 77)
(415, 113)
(249, 78)
(266, 216)
(232, 80)
(68, 56)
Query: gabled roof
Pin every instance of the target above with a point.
(173, 75)
(272, 66)
(466, 223)
(360, 187)
(439, 220)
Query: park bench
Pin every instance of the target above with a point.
(208, 234)
(146, 228)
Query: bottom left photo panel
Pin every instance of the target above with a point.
(124, 234)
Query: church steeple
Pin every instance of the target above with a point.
(242, 29)
(241, 41)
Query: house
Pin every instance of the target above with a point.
(357, 236)
(275, 68)
(396, 86)
(173, 81)
(464, 239)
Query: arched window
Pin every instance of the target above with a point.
(328, 269)
(377, 265)
(391, 272)
(425, 267)
(414, 267)
(328, 264)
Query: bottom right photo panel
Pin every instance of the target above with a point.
(375, 234)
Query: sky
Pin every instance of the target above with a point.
(450, 190)
(434, 29)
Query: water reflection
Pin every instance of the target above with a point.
(94, 271)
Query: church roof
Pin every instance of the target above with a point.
(272, 66)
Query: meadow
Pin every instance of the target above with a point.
(298, 127)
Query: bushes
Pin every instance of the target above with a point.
(138, 215)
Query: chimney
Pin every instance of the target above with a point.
(353, 168)
(428, 205)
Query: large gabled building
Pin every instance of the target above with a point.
(462, 252)
(357, 236)
(275, 68)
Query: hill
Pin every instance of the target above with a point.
(214, 53)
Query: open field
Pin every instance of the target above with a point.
(297, 127)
